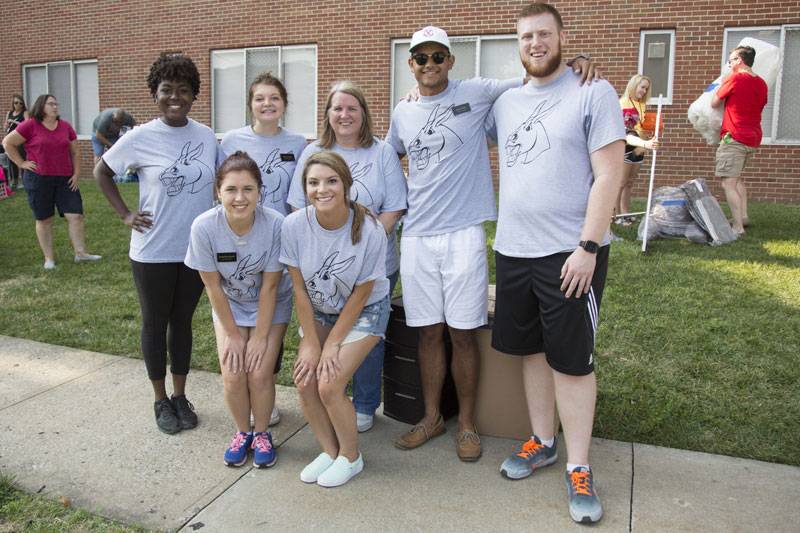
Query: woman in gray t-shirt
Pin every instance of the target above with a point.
(235, 247)
(275, 149)
(335, 250)
(379, 185)
(175, 158)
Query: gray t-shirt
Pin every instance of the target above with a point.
(546, 135)
(378, 184)
(240, 260)
(176, 172)
(103, 123)
(449, 178)
(331, 266)
(276, 155)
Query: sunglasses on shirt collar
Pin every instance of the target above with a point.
(422, 59)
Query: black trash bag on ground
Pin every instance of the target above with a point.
(670, 218)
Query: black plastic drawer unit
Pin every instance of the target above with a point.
(402, 389)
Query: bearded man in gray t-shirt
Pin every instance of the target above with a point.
(443, 248)
(560, 157)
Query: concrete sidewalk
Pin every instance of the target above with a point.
(80, 424)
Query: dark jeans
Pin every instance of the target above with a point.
(168, 296)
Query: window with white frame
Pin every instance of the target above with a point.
(493, 56)
(657, 62)
(73, 83)
(234, 70)
(780, 121)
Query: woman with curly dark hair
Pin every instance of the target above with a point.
(175, 158)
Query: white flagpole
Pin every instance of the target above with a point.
(652, 178)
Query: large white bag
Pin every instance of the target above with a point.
(707, 120)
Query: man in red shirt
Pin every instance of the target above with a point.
(744, 95)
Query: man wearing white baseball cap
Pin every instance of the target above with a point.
(429, 34)
(443, 263)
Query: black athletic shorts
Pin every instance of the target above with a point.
(631, 156)
(533, 316)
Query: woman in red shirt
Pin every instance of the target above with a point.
(50, 175)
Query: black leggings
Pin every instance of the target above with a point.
(168, 296)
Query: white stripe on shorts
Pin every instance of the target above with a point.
(592, 305)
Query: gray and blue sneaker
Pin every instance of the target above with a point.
(584, 505)
(532, 455)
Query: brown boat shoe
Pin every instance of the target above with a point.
(419, 435)
(468, 445)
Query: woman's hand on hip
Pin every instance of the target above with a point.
(139, 221)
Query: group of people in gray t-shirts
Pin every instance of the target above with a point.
(315, 226)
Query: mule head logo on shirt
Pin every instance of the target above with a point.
(325, 285)
(530, 139)
(244, 273)
(187, 172)
(274, 173)
(433, 138)
(359, 191)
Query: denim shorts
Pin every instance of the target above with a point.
(372, 321)
(97, 147)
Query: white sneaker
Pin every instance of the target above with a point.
(364, 422)
(315, 468)
(340, 472)
(87, 257)
(274, 418)
(49, 265)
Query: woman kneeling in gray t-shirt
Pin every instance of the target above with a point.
(335, 251)
(235, 247)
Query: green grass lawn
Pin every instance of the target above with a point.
(26, 512)
(697, 348)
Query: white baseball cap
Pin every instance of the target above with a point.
(429, 34)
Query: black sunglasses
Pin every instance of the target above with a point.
(422, 59)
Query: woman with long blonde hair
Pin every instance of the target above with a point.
(638, 139)
(335, 251)
(379, 185)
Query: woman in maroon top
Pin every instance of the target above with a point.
(50, 176)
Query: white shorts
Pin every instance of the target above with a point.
(445, 278)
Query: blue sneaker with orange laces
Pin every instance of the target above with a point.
(264, 454)
(532, 455)
(584, 504)
(236, 454)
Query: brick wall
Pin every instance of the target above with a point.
(353, 39)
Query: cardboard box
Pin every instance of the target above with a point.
(501, 409)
